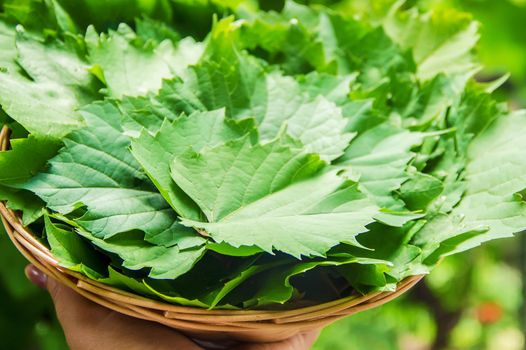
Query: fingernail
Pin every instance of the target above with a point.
(37, 277)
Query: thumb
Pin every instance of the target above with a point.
(90, 326)
(70, 307)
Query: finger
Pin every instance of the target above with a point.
(302, 341)
(89, 326)
(70, 307)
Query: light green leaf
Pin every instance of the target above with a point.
(442, 41)
(380, 157)
(320, 126)
(186, 53)
(280, 99)
(72, 251)
(59, 84)
(238, 173)
(420, 190)
(96, 170)
(317, 122)
(333, 87)
(136, 254)
(154, 153)
(128, 69)
(31, 207)
(45, 62)
(306, 218)
(493, 206)
(20, 98)
(26, 158)
(277, 288)
(8, 52)
(224, 77)
(119, 280)
(144, 112)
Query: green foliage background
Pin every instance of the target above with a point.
(446, 312)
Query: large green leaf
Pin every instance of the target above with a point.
(26, 158)
(72, 251)
(56, 63)
(227, 77)
(54, 81)
(130, 69)
(380, 157)
(306, 218)
(56, 105)
(34, 153)
(237, 173)
(31, 207)
(136, 254)
(224, 77)
(317, 122)
(199, 130)
(96, 170)
(8, 51)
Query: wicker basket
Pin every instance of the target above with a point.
(214, 325)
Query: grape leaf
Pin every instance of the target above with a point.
(8, 50)
(380, 157)
(238, 173)
(128, 69)
(277, 287)
(136, 254)
(290, 220)
(154, 153)
(20, 98)
(493, 205)
(35, 152)
(56, 63)
(441, 41)
(72, 251)
(31, 206)
(95, 169)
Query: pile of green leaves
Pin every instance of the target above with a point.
(288, 157)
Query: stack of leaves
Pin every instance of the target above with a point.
(289, 157)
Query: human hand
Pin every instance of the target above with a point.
(89, 326)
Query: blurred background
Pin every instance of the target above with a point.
(472, 301)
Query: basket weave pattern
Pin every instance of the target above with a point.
(242, 325)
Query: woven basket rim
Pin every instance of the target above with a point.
(243, 324)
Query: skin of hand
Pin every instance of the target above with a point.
(89, 326)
